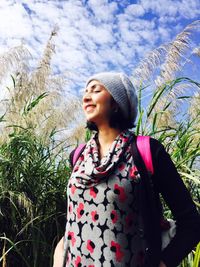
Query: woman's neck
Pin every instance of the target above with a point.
(106, 136)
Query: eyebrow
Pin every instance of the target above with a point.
(91, 87)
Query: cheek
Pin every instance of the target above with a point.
(105, 101)
(108, 107)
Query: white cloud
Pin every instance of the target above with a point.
(103, 10)
(135, 10)
(14, 22)
(164, 33)
(190, 9)
(179, 9)
(94, 35)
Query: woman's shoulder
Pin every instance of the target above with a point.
(75, 153)
(160, 157)
(155, 143)
(156, 147)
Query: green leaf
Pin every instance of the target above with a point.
(33, 103)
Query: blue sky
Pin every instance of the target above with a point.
(96, 35)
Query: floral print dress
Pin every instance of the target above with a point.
(103, 223)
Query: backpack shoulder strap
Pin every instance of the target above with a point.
(77, 152)
(143, 145)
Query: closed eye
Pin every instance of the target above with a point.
(95, 88)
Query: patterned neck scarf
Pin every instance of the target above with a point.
(90, 170)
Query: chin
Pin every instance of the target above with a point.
(91, 118)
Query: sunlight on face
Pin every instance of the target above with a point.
(97, 102)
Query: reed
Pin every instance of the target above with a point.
(165, 61)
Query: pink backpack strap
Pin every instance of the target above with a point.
(77, 153)
(143, 145)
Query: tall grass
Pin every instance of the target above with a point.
(34, 144)
(167, 119)
(32, 197)
(175, 122)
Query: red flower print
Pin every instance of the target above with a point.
(75, 168)
(78, 261)
(80, 210)
(134, 174)
(71, 238)
(116, 248)
(91, 266)
(93, 191)
(114, 216)
(81, 157)
(92, 151)
(119, 190)
(94, 215)
(118, 145)
(121, 166)
(124, 139)
(73, 189)
(90, 246)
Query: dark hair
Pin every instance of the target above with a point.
(117, 120)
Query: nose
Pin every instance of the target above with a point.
(86, 97)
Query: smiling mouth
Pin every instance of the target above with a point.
(89, 107)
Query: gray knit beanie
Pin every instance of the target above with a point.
(121, 89)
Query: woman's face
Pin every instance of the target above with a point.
(97, 103)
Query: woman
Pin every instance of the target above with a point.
(111, 221)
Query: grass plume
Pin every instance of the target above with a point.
(42, 92)
(166, 59)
